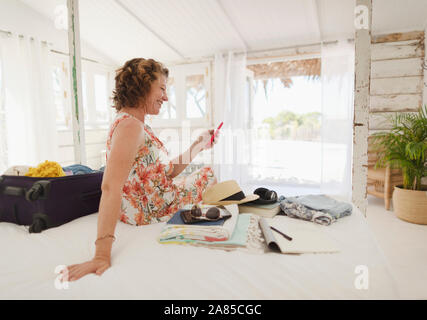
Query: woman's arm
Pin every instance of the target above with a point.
(128, 136)
(183, 160)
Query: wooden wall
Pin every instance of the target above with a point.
(396, 76)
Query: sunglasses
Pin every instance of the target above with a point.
(195, 214)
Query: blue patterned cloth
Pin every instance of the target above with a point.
(78, 169)
(316, 208)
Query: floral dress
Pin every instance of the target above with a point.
(149, 195)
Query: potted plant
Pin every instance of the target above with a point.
(405, 147)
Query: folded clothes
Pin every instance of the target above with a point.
(43, 169)
(17, 171)
(68, 170)
(78, 169)
(246, 236)
(235, 239)
(46, 169)
(317, 208)
(202, 232)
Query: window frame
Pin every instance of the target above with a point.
(90, 69)
(179, 74)
(59, 61)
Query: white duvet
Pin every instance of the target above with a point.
(142, 268)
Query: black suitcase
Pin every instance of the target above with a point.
(43, 203)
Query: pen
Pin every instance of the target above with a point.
(287, 237)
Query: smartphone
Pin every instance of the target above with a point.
(216, 132)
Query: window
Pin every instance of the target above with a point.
(101, 98)
(168, 111)
(96, 92)
(188, 94)
(59, 94)
(61, 84)
(287, 123)
(195, 96)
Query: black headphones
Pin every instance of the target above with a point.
(266, 196)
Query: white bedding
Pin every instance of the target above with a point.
(142, 268)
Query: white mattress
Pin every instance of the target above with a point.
(144, 269)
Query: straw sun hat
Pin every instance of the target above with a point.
(225, 193)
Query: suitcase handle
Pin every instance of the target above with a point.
(14, 191)
(39, 190)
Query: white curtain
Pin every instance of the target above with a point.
(337, 74)
(231, 106)
(30, 115)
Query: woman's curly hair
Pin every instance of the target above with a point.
(133, 81)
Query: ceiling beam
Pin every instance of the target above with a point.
(121, 5)
(233, 25)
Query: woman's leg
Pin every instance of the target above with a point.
(192, 186)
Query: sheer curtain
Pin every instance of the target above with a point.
(337, 74)
(231, 106)
(30, 114)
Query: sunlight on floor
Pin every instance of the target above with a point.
(405, 246)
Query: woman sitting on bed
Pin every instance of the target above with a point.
(138, 185)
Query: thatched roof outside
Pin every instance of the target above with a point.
(194, 81)
(285, 70)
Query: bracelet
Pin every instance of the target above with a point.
(107, 236)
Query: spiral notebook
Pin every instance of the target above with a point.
(304, 239)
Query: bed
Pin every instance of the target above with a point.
(142, 268)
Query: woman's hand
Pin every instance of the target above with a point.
(76, 271)
(203, 142)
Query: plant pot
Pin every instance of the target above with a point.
(410, 205)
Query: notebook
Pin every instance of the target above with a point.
(304, 239)
(262, 210)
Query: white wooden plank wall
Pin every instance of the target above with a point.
(396, 79)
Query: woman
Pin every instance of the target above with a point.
(137, 187)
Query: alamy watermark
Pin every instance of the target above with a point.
(61, 280)
(361, 17)
(232, 147)
(361, 282)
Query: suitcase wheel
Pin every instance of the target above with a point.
(40, 223)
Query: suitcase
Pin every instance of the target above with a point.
(43, 203)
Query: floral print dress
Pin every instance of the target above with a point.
(149, 194)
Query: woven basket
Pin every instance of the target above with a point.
(410, 205)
